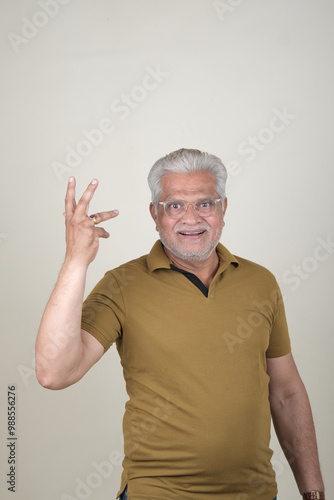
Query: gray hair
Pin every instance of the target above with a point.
(186, 161)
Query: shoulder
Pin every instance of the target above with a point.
(244, 266)
(258, 274)
(146, 264)
(129, 269)
(258, 280)
(254, 267)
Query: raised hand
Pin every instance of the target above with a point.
(82, 234)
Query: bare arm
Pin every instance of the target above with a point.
(293, 422)
(65, 352)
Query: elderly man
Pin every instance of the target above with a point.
(202, 339)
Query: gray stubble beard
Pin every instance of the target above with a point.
(189, 256)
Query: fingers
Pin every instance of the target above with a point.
(70, 204)
(80, 210)
(102, 233)
(103, 216)
(83, 203)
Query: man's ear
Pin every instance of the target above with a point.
(154, 215)
(224, 205)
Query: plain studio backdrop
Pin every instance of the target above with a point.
(103, 88)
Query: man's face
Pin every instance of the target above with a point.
(191, 238)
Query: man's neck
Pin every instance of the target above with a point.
(204, 270)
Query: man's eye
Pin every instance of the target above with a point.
(205, 204)
(174, 206)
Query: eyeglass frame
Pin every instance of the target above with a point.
(192, 203)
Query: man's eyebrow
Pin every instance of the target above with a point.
(182, 196)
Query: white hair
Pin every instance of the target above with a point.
(186, 161)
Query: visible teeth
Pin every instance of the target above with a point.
(199, 232)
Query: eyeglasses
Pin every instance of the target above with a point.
(175, 209)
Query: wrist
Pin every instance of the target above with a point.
(72, 276)
(314, 495)
(74, 265)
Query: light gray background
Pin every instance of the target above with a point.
(227, 71)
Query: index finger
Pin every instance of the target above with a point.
(83, 203)
(70, 204)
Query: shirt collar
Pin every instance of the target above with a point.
(225, 258)
(157, 259)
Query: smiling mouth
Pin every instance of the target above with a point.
(191, 233)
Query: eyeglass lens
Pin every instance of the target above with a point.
(177, 208)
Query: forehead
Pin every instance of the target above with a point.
(189, 186)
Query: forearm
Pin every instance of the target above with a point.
(292, 418)
(59, 344)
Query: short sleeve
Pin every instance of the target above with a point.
(103, 311)
(279, 343)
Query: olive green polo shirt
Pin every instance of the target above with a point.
(197, 422)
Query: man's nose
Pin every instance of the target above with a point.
(191, 216)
